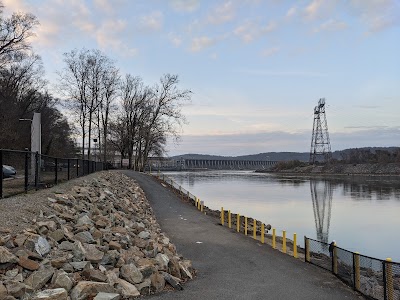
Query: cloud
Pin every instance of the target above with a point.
(184, 5)
(250, 31)
(106, 6)
(291, 12)
(174, 39)
(222, 14)
(331, 25)
(201, 43)
(313, 8)
(152, 22)
(269, 51)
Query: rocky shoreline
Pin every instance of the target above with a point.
(97, 239)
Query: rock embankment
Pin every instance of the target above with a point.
(97, 240)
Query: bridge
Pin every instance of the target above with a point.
(222, 164)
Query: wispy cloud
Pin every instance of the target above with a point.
(250, 30)
(331, 25)
(269, 51)
(152, 21)
(200, 43)
(185, 5)
(175, 39)
(291, 12)
(222, 13)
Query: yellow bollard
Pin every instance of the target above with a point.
(273, 238)
(229, 219)
(238, 223)
(294, 245)
(284, 241)
(254, 229)
(262, 233)
(307, 246)
(389, 279)
(245, 225)
(357, 270)
(222, 216)
(334, 259)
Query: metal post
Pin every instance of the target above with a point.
(389, 279)
(1, 174)
(68, 169)
(273, 238)
(307, 249)
(334, 259)
(222, 216)
(238, 223)
(26, 172)
(356, 271)
(284, 241)
(254, 229)
(229, 219)
(262, 233)
(245, 225)
(56, 171)
(37, 170)
(294, 245)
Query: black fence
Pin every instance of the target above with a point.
(374, 278)
(34, 171)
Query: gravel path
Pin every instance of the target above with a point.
(230, 265)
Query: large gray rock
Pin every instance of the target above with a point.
(84, 237)
(107, 296)
(52, 294)
(162, 261)
(86, 289)
(131, 273)
(84, 220)
(92, 254)
(39, 278)
(62, 280)
(127, 289)
(6, 256)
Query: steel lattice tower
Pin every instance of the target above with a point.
(320, 143)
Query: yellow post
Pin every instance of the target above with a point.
(254, 229)
(334, 259)
(245, 225)
(222, 216)
(307, 250)
(273, 238)
(357, 270)
(389, 279)
(229, 219)
(294, 245)
(262, 233)
(284, 241)
(238, 223)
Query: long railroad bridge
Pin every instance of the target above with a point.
(222, 164)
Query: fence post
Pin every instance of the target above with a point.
(389, 279)
(238, 222)
(262, 233)
(202, 206)
(356, 271)
(37, 170)
(229, 219)
(26, 172)
(222, 216)
(273, 238)
(307, 249)
(56, 171)
(254, 229)
(245, 225)
(284, 241)
(1, 174)
(188, 195)
(294, 245)
(68, 169)
(334, 259)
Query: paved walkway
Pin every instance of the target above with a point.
(231, 265)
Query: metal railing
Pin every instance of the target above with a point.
(35, 171)
(375, 278)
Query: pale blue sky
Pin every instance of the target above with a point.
(256, 68)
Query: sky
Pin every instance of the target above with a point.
(256, 68)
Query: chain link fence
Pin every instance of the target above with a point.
(372, 277)
(24, 170)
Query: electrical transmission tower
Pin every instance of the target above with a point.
(320, 144)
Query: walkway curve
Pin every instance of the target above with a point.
(230, 265)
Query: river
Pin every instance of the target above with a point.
(360, 213)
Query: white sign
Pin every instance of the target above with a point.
(125, 162)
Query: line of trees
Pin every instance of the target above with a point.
(134, 118)
(23, 91)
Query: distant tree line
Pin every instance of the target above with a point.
(120, 112)
(362, 155)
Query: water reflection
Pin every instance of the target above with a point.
(321, 195)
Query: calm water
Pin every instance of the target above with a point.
(362, 213)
